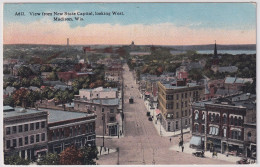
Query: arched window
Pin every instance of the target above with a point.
(231, 120)
(249, 136)
(239, 121)
(217, 118)
(196, 128)
(213, 118)
(224, 119)
(235, 121)
(196, 116)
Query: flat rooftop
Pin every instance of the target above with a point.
(59, 115)
(169, 86)
(21, 111)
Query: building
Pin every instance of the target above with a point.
(220, 125)
(105, 103)
(67, 128)
(25, 132)
(174, 103)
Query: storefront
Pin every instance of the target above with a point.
(214, 144)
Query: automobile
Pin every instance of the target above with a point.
(150, 119)
(243, 161)
(199, 154)
(148, 114)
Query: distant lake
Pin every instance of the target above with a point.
(233, 52)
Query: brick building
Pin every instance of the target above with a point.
(220, 125)
(174, 103)
(25, 132)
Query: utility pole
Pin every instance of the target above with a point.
(103, 129)
(181, 124)
(153, 158)
(117, 156)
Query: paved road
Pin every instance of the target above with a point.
(142, 144)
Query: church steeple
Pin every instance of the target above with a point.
(215, 49)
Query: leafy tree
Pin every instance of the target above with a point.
(20, 95)
(9, 101)
(25, 71)
(36, 81)
(195, 74)
(89, 155)
(15, 160)
(50, 159)
(16, 85)
(6, 71)
(52, 76)
(71, 156)
(25, 82)
(46, 68)
(32, 97)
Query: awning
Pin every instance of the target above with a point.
(195, 140)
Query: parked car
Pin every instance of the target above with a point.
(148, 114)
(150, 119)
(199, 154)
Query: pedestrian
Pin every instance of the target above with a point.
(108, 151)
(182, 148)
(170, 139)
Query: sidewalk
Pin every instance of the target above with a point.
(161, 131)
(207, 154)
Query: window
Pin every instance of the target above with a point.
(224, 119)
(70, 131)
(203, 129)
(37, 125)
(43, 124)
(182, 95)
(32, 139)
(26, 127)
(209, 117)
(196, 127)
(26, 140)
(224, 132)
(196, 116)
(8, 144)
(231, 120)
(14, 143)
(236, 135)
(186, 122)
(169, 97)
(86, 128)
(177, 96)
(186, 104)
(111, 110)
(20, 141)
(186, 112)
(177, 115)
(43, 136)
(31, 126)
(14, 129)
(20, 128)
(239, 121)
(203, 116)
(8, 131)
(185, 95)
(235, 121)
(37, 138)
(169, 105)
(177, 105)
(249, 136)
(181, 104)
(213, 118)
(112, 119)
(217, 118)
(103, 109)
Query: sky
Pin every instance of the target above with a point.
(143, 23)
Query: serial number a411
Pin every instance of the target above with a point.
(62, 19)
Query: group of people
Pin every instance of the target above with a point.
(180, 144)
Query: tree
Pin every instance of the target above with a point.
(71, 156)
(50, 159)
(36, 81)
(89, 155)
(9, 101)
(25, 71)
(195, 74)
(46, 68)
(25, 82)
(20, 95)
(52, 76)
(15, 160)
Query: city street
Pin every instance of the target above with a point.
(141, 143)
